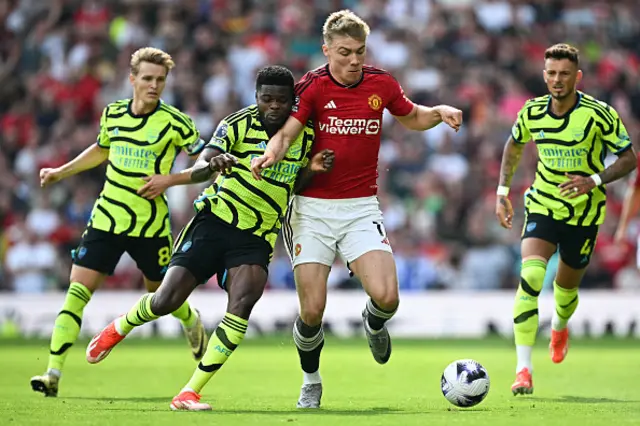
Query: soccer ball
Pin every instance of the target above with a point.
(465, 383)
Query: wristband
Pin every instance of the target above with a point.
(503, 191)
(596, 178)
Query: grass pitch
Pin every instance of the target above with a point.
(596, 385)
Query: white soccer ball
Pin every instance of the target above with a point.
(465, 383)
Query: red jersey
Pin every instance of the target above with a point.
(348, 120)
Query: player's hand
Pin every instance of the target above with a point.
(223, 163)
(322, 162)
(258, 164)
(504, 212)
(451, 116)
(575, 186)
(49, 176)
(155, 185)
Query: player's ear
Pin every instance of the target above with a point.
(131, 78)
(325, 50)
(544, 75)
(579, 76)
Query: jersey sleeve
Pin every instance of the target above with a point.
(519, 132)
(103, 140)
(224, 137)
(188, 137)
(399, 105)
(309, 138)
(305, 92)
(617, 140)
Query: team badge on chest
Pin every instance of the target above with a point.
(375, 102)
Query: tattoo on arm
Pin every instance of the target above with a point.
(624, 165)
(510, 160)
(200, 171)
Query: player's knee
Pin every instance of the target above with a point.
(311, 313)
(164, 303)
(243, 304)
(386, 297)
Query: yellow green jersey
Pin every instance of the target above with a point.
(237, 198)
(576, 143)
(139, 146)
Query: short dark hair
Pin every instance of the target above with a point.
(274, 75)
(562, 51)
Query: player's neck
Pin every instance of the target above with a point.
(337, 78)
(560, 107)
(139, 107)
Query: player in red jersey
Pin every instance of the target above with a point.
(339, 212)
(630, 208)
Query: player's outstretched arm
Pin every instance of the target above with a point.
(575, 185)
(322, 162)
(630, 207)
(87, 159)
(277, 146)
(211, 161)
(510, 159)
(424, 118)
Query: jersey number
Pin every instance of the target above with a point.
(586, 248)
(164, 256)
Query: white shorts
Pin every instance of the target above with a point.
(638, 253)
(316, 229)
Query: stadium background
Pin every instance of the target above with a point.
(61, 61)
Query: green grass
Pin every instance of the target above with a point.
(597, 385)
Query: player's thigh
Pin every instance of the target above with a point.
(307, 235)
(95, 257)
(576, 249)
(175, 288)
(200, 247)
(311, 286)
(246, 262)
(540, 237)
(377, 271)
(152, 256)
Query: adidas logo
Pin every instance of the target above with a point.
(330, 105)
(541, 134)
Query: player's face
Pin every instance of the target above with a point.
(149, 83)
(274, 104)
(561, 76)
(346, 57)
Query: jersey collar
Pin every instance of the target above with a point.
(130, 112)
(345, 86)
(578, 99)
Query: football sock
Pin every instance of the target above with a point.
(525, 309)
(186, 314)
(67, 326)
(224, 340)
(309, 341)
(376, 316)
(566, 304)
(139, 314)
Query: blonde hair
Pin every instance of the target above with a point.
(344, 23)
(151, 55)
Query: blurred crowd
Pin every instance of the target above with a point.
(61, 61)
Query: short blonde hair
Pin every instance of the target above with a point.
(151, 55)
(344, 23)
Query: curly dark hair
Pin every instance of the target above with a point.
(275, 75)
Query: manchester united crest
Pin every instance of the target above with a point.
(375, 102)
(298, 249)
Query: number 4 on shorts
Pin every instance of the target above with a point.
(586, 248)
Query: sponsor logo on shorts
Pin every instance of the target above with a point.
(386, 241)
(298, 249)
(531, 226)
(186, 246)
